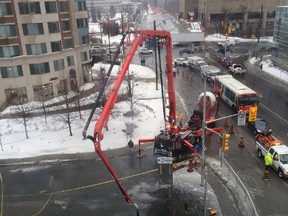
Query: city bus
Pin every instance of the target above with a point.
(237, 95)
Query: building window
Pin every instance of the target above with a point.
(62, 87)
(16, 96)
(42, 68)
(83, 56)
(63, 6)
(56, 46)
(65, 25)
(58, 65)
(7, 31)
(36, 49)
(271, 14)
(5, 9)
(50, 7)
(9, 51)
(70, 60)
(253, 15)
(43, 92)
(33, 29)
(80, 5)
(82, 23)
(29, 8)
(11, 72)
(68, 43)
(53, 27)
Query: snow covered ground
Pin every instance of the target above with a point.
(54, 138)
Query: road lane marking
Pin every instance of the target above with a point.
(284, 120)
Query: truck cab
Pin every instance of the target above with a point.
(279, 155)
(280, 159)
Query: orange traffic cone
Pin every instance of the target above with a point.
(226, 123)
(190, 166)
(231, 129)
(266, 175)
(241, 144)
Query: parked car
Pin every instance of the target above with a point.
(228, 43)
(98, 49)
(260, 126)
(180, 44)
(199, 65)
(225, 61)
(209, 72)
(192, 60)
(186, 50)
(145, 51)
(112, 49)
(237, 69)
(181, 61)
(222, 50)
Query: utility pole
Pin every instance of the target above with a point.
(204, 174)
(155, 51)
(260, 24)
(109, 36)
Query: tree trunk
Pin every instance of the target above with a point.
(25, 126)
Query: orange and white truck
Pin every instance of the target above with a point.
(279, 152)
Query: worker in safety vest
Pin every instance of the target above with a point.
(268, 161)
(180, 119)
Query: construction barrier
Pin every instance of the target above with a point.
(190, 166)
(266, 175)
(231, 129)
(241, 143)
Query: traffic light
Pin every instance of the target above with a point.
(225, 142)
(252, 114)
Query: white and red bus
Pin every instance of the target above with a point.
(237, 95)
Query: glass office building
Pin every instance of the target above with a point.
(280, 37)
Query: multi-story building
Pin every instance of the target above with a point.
(44, 49)
(119, 5)
(280, 37)
(244, 16)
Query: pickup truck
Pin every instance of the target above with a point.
(237, 69)
(278, 151)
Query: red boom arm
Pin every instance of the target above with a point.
(141, 36)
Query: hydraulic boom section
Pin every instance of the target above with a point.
(141, 36)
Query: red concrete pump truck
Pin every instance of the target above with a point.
(173, 141)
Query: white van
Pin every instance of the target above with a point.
(193, 60)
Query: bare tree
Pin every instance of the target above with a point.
(130, 90)
(66, 114)
(93, 13)
(23, 111)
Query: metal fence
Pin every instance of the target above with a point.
(240, 192)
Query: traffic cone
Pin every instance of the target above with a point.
(241, 144)
(212, 212)
(231, 129)
(226, 123)
(266, 175)
(190, 166)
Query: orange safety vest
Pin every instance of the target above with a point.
(180, 117)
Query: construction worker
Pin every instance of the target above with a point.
(268, 162)
(180, 119)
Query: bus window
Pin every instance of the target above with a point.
(248, 101)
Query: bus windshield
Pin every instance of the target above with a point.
(248, 100)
